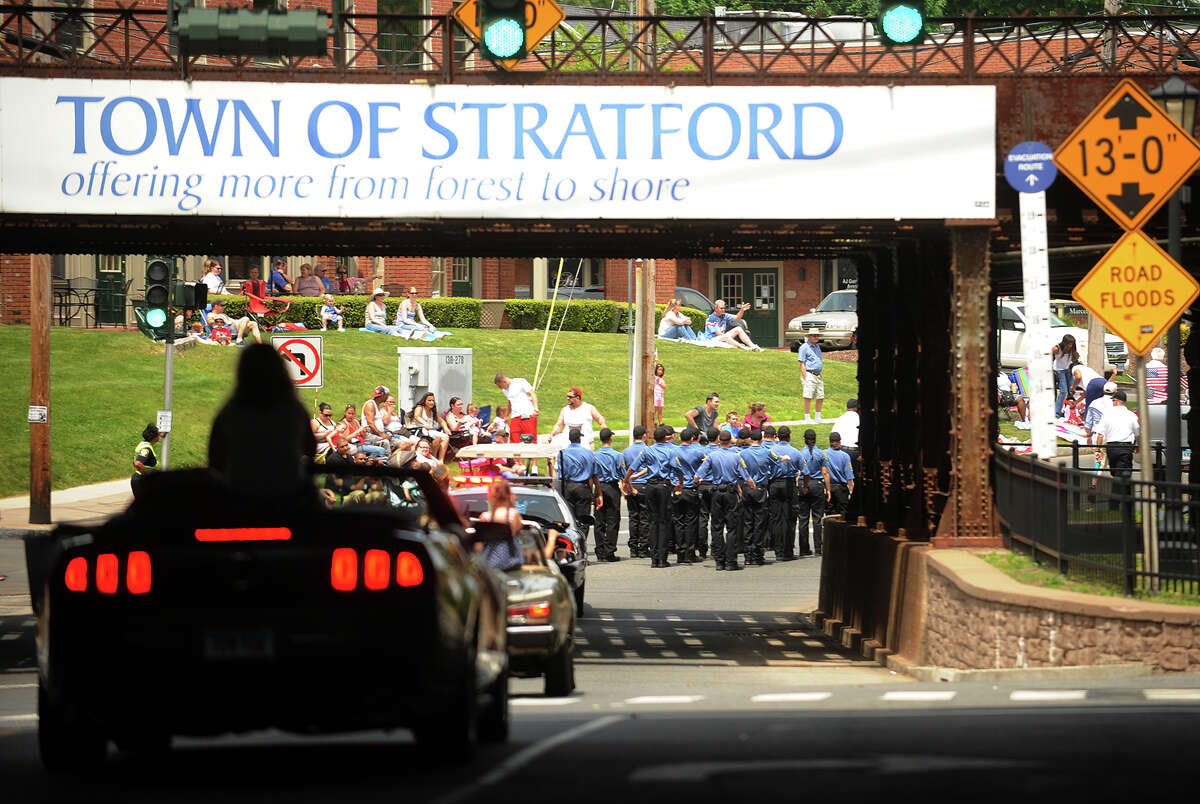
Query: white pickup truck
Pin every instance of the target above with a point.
(1012, 337)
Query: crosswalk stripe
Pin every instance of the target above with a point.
(918, 695)
(665, 699)
(791, 697)
(16, 718)
(543, 701)
(1047, 695)
(1172, 695)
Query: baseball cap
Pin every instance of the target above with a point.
(381, 390)
(1110, 388)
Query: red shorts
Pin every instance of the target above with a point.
(518, 426)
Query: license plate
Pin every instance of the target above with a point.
(244, 643)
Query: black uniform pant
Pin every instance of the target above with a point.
(579, 499)
(658, 511)
(839, 498)
(810, 507)
(608, 520)
(754, 522)
(705, 493)
(725, 514)
(779, 512)
(684, 510)
(639, 543)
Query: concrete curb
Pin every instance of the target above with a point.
(22, 533)
(953, 675)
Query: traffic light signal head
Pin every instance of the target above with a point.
(502, 25)
(902, 22)
(158, 291)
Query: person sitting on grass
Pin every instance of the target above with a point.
(332, 314)
(411, 317)
(239, 326)
(1007, 398)
(376, 316)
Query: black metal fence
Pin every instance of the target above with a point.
(1099, 525)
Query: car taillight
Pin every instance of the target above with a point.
(377, 567)
(530, 612)
(409, 571)
(137, 573)
(107, 576)
(343, 573)
(76, 575)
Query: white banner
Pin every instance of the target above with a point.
(77, 146)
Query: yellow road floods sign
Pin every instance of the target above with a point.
(547, 14)
(1137, 290)
(1128, 155)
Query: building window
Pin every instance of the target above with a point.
(70, 30)
(731, 289)
(461, 269)
(438, 276)
(401, 42)
(764, 291)
(110, 263)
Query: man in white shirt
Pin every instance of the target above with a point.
(1096, 410)
(847, 427)
(1119, 430)
(523, 404)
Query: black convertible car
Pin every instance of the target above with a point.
(362, 605)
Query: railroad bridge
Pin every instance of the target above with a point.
(926, 286)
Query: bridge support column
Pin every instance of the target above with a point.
(969, 519)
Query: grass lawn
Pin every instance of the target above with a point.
(1024, 569)
(106, 385)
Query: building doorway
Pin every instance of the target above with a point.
(758, 285)
(110, 290)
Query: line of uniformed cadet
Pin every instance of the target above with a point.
(746, 497)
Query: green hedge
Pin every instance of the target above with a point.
(697, 317)
(444, 313)
(581, 315)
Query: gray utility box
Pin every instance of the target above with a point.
(445, 372)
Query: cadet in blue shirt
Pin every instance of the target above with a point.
(609, 471)
(841, 475)
(688, 456)
(813, 478)
(635, 498)
(657, 465)
(577, 471)
(723, 469)
(781, 491)
(760, 465)
(709, 444)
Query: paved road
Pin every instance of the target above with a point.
(691, 684)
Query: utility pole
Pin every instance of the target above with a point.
(630, 337)
(39, 389)
(646, 344)
(1108, 47)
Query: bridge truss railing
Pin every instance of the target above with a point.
(130, 41)
(1089, 524)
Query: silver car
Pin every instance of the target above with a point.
(835, 319)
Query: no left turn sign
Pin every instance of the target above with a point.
(302, 357)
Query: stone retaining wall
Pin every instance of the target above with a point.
(976, 617)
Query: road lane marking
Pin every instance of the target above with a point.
(16, 686)
(527, 755)
(665, 699)
(791, 697)
(696, 772)
(919, 695)
(17, 718)
(543, 701)
(1172, 695)
(1048, 695)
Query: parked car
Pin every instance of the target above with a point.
(689, 296)
(1011, 315)
(351, 607)
(835, 319)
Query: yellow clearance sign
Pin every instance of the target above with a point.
(1128, 155)
(547, 14)
(1137, 290)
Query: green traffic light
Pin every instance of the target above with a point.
(504, 38)
(156, 317)
(902, 23)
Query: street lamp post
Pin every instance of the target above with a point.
(1178, 99)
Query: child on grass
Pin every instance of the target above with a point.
(660, 392)
(499, 425)
(330, 313)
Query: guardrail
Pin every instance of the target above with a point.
(96, 41)
(1088, 524)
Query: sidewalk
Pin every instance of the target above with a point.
(84, 504)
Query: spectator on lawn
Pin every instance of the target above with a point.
(524, 404)
(733, 423)
(279, 282)
(393, 422)
(332, 314)
(1006, 397)
(675, 324)
(307, 284)
(354, 432)
(459, 423)
(262, 418)
(426, 421)
(410, 315)
(425, 456)
(324, 427)
(212, 277)
(219, 318)
(726, 328)
(376, 315)
(254, 286)
(704, 416)
(476, 427)
(373, 416)
(811, 364)
(498, 427)
(757, 418)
